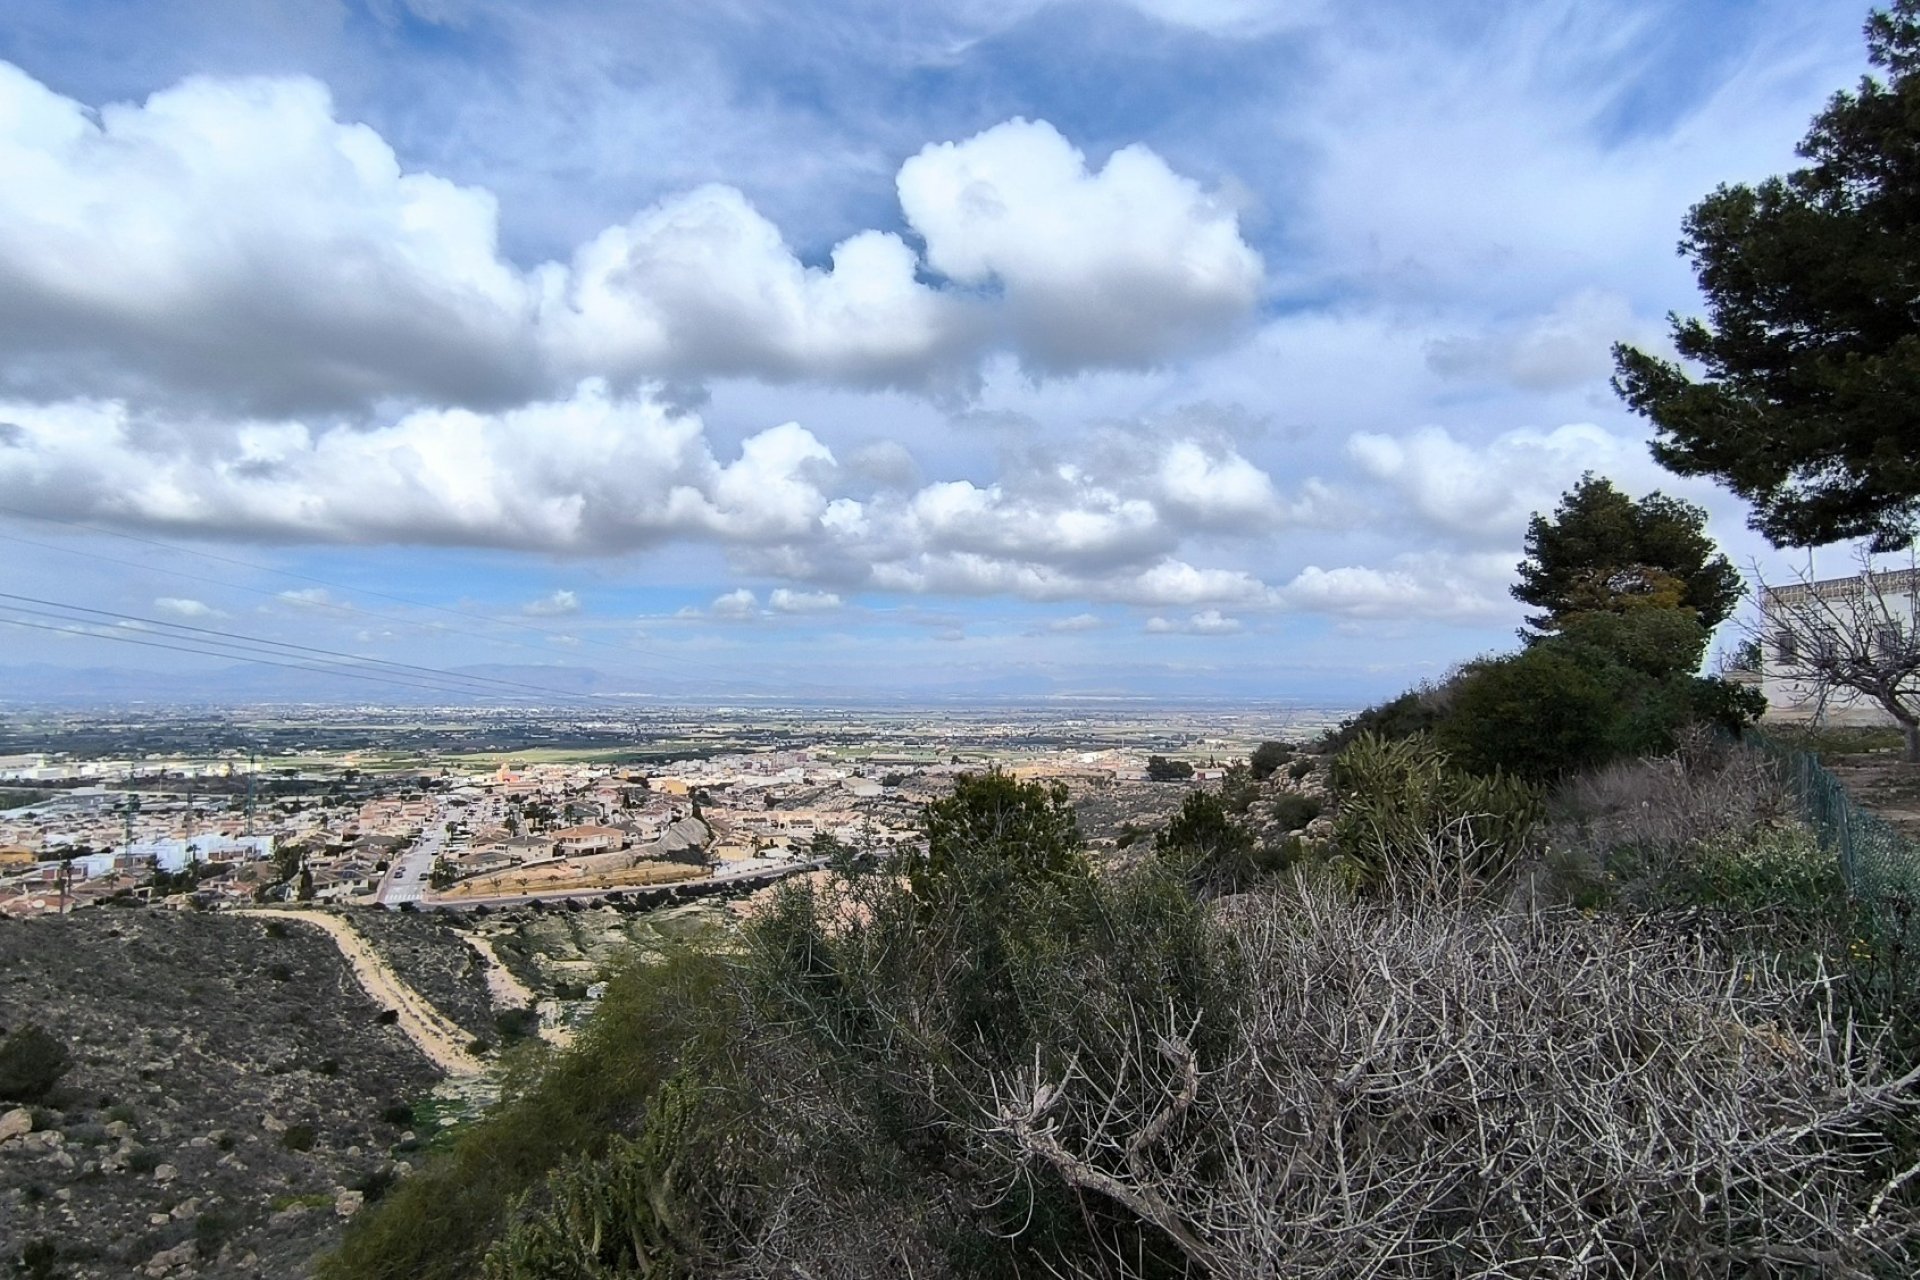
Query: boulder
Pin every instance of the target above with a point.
(17, 1123)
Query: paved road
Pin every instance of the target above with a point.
(406, 878)
(522, 899)
(430, 1030)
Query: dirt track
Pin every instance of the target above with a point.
(439, 1039)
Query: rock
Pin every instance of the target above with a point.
(157, 1219)
(185, 1209)
(292, 1213)
(167, 1259)
(119, 1129)
(347, 1203)
(273, 1124)
(165, 1173)
(17, 1123)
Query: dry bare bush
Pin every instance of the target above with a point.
(1658, 805)
(1425, 1089)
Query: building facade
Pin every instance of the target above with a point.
(1872, 615)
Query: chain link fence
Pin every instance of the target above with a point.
(1880, 866)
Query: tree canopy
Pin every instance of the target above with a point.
(1603, 552)
(1811, 346)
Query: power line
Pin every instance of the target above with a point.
(265, 662)
(276, 645)
(685, 665)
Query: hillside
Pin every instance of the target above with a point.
(231, 1089)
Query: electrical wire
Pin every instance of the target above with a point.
(238, 638)
(684, 665)
(266, 662)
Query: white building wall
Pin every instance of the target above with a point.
(1790, 700)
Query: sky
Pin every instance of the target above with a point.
(1216, 348)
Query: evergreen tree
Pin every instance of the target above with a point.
(1603, 552)
(1811, 348)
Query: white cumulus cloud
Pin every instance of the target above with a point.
(556, 605)
(232, 244)
(181, 607)
(1123, 265)
(787, 600)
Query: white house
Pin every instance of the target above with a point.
(1874, 613)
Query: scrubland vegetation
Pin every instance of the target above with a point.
(1626, 1024)
(1556, 985)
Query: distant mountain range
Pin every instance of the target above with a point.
(502, 684)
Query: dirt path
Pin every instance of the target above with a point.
(443, 1042)
(1883, 783)
(509, 992)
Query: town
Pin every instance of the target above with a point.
(691, 801)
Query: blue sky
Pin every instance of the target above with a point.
(1217, 348)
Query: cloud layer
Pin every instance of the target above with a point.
(268, 257)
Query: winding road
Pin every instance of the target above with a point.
(430, 1030)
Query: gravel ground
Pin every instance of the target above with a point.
(207, 1051)
(425, 948)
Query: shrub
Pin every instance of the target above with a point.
(1267, 757)
(1161, 769)
(280, 972)
(435, 1224)
(211, 1230)
(397, 1114)
(32, 1061)
(1416, 711)
(38, 1260)
(1539, 713)
(298, 1136)
(1209, 850)
(1762, 869)
(1293, 810)
(638, 1209)
(516, 1024)
(1407, 817)
(1299, 769)
(145, 1159)
(1621, 831)
(1434, 1063)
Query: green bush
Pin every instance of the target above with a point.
(1299, 769)
(642, 1208)
(1161, 769)
(516, 1024)
(1539, 713)
(1209, 850)
(1407, 814)
(1416, 711)
(1762, 869)
(655, 1020)
(298, 1136)
(1268, 757)
(32, 1061)
(1293, 810)
(1608, 686)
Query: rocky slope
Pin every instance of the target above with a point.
(232, 1095)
